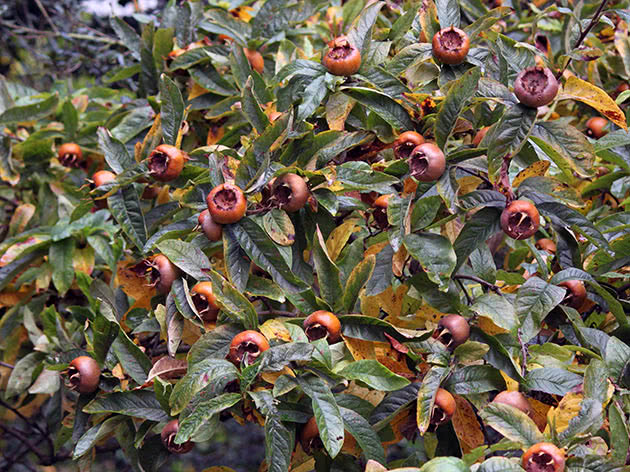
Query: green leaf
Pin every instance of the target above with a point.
(448, 13)
(33, 111)
(327, 413)
(498, 309)
(445, 464)
(276, 358)
(374, 374)
(60, 256)
(128, 36)
(210, 79)
(566, 217)
(477, 230)
(367, 438)
(251, 108)
(187, 256)
(135, 363)
(96, 434)
(475, 379)
(512, 423)
(172, 109)
(356, 281)
(360, 176)
(126, 209)
(279, 227)
(552, 380)
(426, 397)
(462, 90)
(435, 254)
(360, 32)
(617, 357)
(534, 300)
(312, 98)
(23, 373)
(619, 433)
(508, 136)
(137, 403)
(588, 421)
(500, 464)
(384, 106)
(202, 413)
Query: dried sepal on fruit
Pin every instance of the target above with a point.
(168, 434)
(162, 273)
(520, 219)
(543, 457)
(426, 162)
(290, 192)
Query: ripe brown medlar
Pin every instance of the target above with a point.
(622, 87)
(452, 331)
(450, 45)
(443, 409)
(515, 399)
(205, 301)
(520, 219)
(290, 192)
(595, 127)
(406, 142)
(168, 439)
(322, 324)
(380, 211)
(480, 135)
(70, 155)
(162, 273)
(426, 162)
(255, 60)
(535, 86)
(83, 374)
(342, 57)
(309, 436)
(576, 293)
(543, 457)
(166, 162)
(211, 228)
(246, 347)
(545, 244)
(226, 203)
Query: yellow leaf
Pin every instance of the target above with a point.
(487, 326)
(339, 237)
(360, 349)
(21, 216)
(468, 184)
(275, 329)
(466, 425)
(567, 409)
(537, 169)
(585, 92)
(196, 91)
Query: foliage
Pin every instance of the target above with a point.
(75, 256)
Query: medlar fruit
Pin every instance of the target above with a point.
(450, 45)
(162, 273)
(480, 135)
(322, 324)
(168, 439)
(309, 436)
(515, 399)
(452, 331)
(83, 374)
(211, 228)
(166, 162)
(342, 58)
(426, 162)
(543, 457)
(545, 244)
(520, 219)
(103, 177)
(576, 293)
(226, 203)
(290, 191)
(205, 301)
(443, 409)
(246, 347)
(535, 86)
(70, 155)
(380, 211)
(406, 142)
(255, 60)
(595, 127)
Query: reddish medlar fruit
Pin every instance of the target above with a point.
(211, 228)
(226, 203)
(406, 142)
(380, 211)
(520, 219)
(255, 60)
(546, 244)
(83, 374)
(162, 273)
(290, 191)
(595, 127)
(322, 324)
(535, 86)
(103, 177)
(168, 439)
(450, 45)
(246, 347)
(205, 301)
(622, 87)
(480, 135)
(452, 331)
(166, 162)
(543, 457)
(576, 293)
(515, 399)
(426, 162)
(342, 57)
(443, 409)
(70, 155)
(309, 436)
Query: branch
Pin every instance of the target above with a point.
(8, 366)
(486, 284)
(584, 34)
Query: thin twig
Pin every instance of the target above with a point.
(8, 366)
(22, 437)
(461, 284)
(45, 13)
(584, 34)
(485, 283)
(23, 29)
(523, 353)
